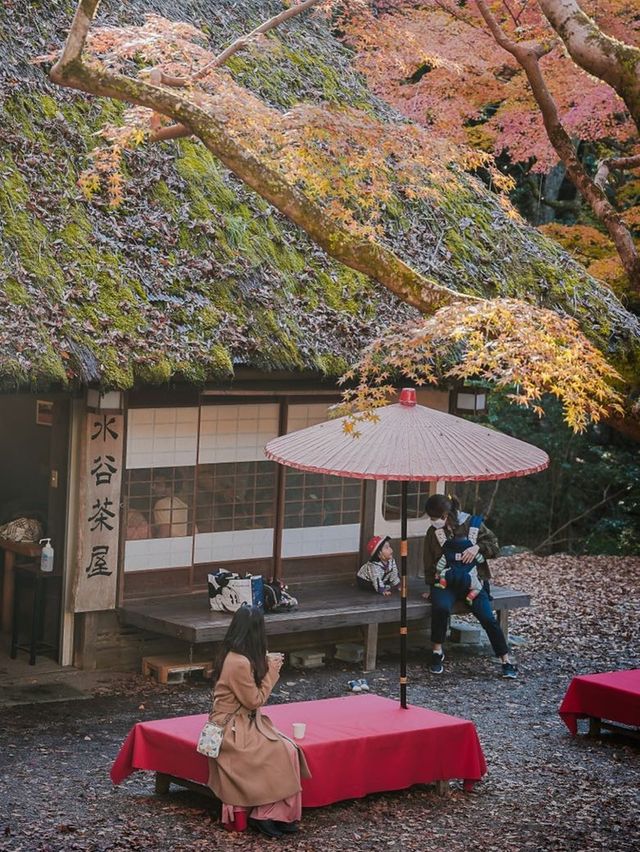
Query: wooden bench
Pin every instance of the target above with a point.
(324, 605)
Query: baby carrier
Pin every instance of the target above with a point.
(451, 572)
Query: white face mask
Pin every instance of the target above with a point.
(439, 524)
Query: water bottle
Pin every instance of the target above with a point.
(46, 557)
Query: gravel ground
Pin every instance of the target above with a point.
(544, 790)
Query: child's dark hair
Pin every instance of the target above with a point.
(247, 636)
(438, 505)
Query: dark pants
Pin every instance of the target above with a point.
(365, 585)
(442, 601)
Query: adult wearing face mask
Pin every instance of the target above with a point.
(448, 522)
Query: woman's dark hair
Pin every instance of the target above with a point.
(247, 636)
(438, 505)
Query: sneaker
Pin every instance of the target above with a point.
(354, 686)
(509, 671)
(437, 659)
(364, 686)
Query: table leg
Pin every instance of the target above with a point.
(595, 727)
(8, 582)
(38, 601)
(163, 783)
(15, 620)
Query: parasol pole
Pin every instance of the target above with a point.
(404, 550)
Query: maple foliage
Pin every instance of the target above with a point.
(436, 61)
(495, 75)
(335, 172)
(507, 343)
(347, 161)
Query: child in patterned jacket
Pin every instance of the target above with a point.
(380, 573)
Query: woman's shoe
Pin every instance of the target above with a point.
(266, 826)
(364, 686)
(287, 827)
(354, 686)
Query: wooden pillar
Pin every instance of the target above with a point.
(370, 647)
(86, 640)
(279, 503)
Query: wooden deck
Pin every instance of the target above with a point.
(322, 606)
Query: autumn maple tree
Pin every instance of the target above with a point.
(531, 78)
(333, 172)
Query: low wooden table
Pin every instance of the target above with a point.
(11, 548)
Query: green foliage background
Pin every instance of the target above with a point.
(585, 469)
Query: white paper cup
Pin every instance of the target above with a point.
(299, 729)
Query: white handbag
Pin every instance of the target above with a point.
(210, 739)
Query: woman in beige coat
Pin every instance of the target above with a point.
(258, 768)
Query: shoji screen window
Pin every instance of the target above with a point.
(158, 487)
(321, 512)
(235, 486)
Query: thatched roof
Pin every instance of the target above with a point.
(195, 273)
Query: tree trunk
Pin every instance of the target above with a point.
(612, 61)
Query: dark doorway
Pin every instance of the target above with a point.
(34, 437)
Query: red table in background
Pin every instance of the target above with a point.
(614, 696)
(354, 746)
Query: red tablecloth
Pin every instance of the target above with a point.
(614, 696)
(354, 746)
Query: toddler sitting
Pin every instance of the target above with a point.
(380, 573)
(454, 574)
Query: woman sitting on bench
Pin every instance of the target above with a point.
(258, 770)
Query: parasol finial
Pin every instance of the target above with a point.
(408, 396)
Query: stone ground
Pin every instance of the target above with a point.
(544, 790)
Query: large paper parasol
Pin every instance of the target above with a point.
(408, 442)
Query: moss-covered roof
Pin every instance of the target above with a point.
(194, 273)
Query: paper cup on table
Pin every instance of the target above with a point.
(299, 729)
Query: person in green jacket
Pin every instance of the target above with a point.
(447, 523)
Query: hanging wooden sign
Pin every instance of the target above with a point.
(99, 512)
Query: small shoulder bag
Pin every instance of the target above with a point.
(210, 739)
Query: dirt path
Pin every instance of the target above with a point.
(544, 790)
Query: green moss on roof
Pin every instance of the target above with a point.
(195, 272)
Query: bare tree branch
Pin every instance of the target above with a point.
(243, 41)
(606, 499)
(172, 131)
(239, 44)
(614, 164)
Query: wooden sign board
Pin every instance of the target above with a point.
(99, 513)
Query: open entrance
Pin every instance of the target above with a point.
(34, 436)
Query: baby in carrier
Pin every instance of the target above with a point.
(452, 573)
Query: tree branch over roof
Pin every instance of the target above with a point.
(332, 172)
(362, 254)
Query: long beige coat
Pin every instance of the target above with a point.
(253, 767)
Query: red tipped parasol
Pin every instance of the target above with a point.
(408, 442)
